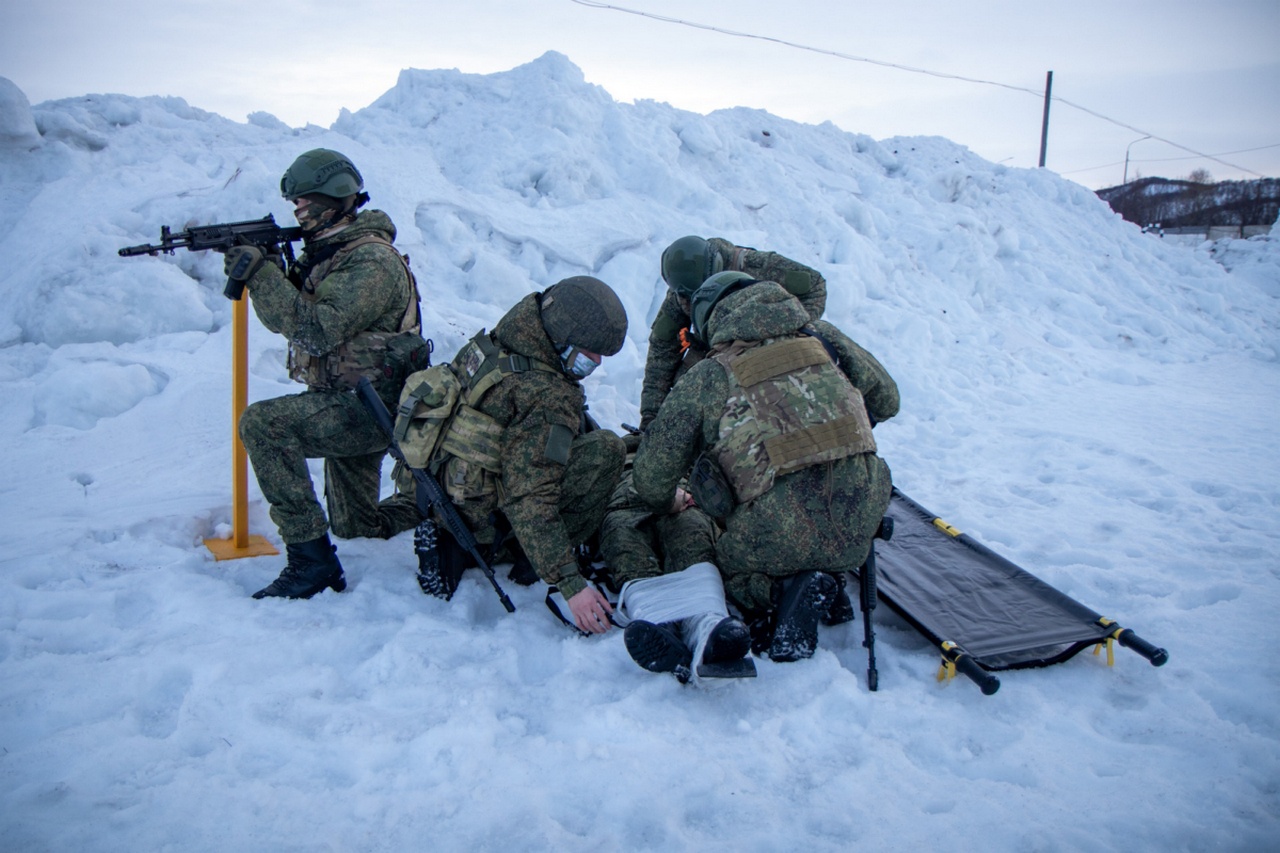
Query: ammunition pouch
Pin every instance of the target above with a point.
(440, 429)
(427, 402)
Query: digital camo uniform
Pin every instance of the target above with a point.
(637, 542)
(667, 358)
(818, 516)
(353, 300)
(555, 477)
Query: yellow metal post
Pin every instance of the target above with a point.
(241, 544)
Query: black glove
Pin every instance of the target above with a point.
(242, 262)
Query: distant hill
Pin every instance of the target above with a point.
(1176, 204)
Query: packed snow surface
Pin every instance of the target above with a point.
(1092, 403)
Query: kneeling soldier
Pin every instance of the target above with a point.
(773, 430)
(520, 442)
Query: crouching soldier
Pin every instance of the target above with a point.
(773, 429)
(348, 307)
(686, 264)
(521, 448)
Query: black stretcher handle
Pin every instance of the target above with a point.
(1130, 640)
(987, 682)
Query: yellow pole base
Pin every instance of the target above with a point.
(241, 543)
(227, 549)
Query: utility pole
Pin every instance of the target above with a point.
(1044, 128)
(1126, 158)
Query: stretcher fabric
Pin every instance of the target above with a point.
(954, 589)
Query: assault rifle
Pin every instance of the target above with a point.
(263, 233)
(867, 600)
(429, 493)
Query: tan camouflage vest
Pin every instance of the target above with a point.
(789, 407)
(439, 427)
(366, 353)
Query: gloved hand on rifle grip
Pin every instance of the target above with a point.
(242, 262)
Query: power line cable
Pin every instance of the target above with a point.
(1095, 168)
(837, 54)
(596, 5)
(1220, 154)
(1168, 159)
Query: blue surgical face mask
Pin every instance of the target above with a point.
(577, 362)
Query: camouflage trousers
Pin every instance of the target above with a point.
(821, 518)
(639, 543)
(281, 434)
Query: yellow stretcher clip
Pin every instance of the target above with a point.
(945, 528)
(1110, 641)
(947, 670)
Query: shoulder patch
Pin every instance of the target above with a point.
(797, 282)
(665, 327)
(559, 439)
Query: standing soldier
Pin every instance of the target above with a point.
(778, 418)
(347, 306)
(686, 264)
(520, 442)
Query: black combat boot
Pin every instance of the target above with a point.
(440, 561)
(760, 624)
(658, 648)
(806, 597)
(726, 653)
(522, 571)
(312, 567)
(729, 641)
(841, 609)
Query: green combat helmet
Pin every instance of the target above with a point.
(709, 294)
(321, 172)
(583, 314)
(687, 263)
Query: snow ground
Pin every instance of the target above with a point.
(1091, 402)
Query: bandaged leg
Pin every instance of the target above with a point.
(690, 602)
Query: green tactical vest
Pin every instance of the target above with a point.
(438, 426)
(789, 407)
(366, 353)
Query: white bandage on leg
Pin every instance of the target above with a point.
(674, 597)
(696, 631)
(694, 597)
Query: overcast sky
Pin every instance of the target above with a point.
(1204, 75)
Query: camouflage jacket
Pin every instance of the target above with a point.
(690, 418)
(667, 358)
(540, 412)
(367, 290)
